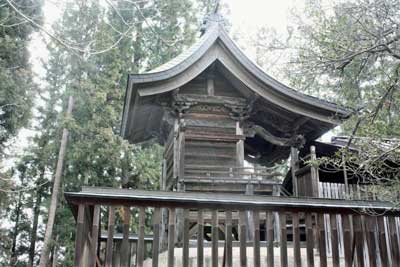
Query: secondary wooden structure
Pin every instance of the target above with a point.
(224, 123)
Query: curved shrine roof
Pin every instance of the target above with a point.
(215, 45)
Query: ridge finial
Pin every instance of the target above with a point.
(212, 18)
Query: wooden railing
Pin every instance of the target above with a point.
(353, 191)
(291, 231)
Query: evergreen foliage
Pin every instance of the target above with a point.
(103, 44)
(348, 52)
(17, 87)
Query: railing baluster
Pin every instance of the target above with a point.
(321, 240)
(185, 247)
(361, 237)
(256, 244)
(370, 225)
(110, 236)
(335, 240)
(347, 241)
(141, 246)
(383, 251)
(270, 238)
(394, 241)
(80, 238)
(171, 237)
(214, 236)
(242, 238)
(283, 233)
(200, 239)
(296, 240)
(95, 236)
(156, 236)
(359, 240)
(125, 237)
(228, 238)
(309, 240)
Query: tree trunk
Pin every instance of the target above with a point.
(36, 212)
(13, 258)
(56, 186)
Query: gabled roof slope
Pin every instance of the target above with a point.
(216, 46)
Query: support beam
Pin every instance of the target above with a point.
(295, 141)
(294, 158)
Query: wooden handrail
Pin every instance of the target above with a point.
(174, 216)
(110, 196)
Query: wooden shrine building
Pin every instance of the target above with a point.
(224, 123)
(212, 108)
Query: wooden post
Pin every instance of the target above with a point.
(296, 240)
(294, 158)
(347, 241)
(156, 236)
(359, 239)
(228, 238)
(171, 237)
(370, 225)
(80, 238)
(214, 238)
(346, 181)
(200, 239)
(242, 238)
(314, 173)
(125, 240)
(95, 236)
(322, 240)
(394, 241)
(141, 245)
(256, 244)
(249, 186)
(335, 240)
(110, 236)
(383, 251)
(310, 240)
(180, 181)
(270, 238)
(283, 234)
(185, 247)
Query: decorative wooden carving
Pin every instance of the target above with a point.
(295, 141)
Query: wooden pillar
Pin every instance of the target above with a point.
(249, 186)
(294, 158)
(95, 236)
(110, 236)
(228, 238)
(314, 173)
(125, 241)
(156, 236)
(296, 240)
(214, 238)
(185, 246)
(346, 181)
(242, 239)
(141, 249)
(171, 237)
(256, 243)
(269, 237)
(79, 239)
(200, 239)
(181, 185)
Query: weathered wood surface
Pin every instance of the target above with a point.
(214, 242)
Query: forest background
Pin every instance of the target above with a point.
(344, 51)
